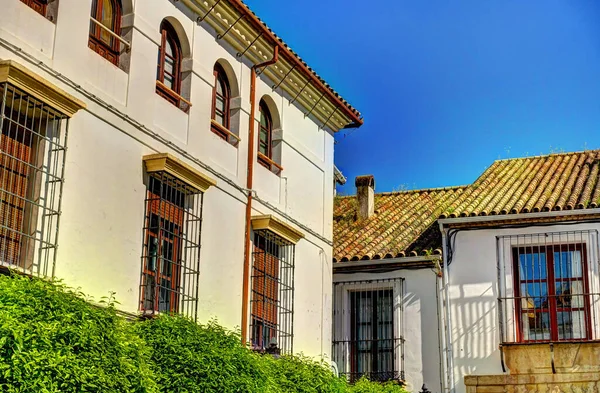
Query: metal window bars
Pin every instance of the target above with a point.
(171, 247)
(549, 287)
(32, 160)
(272, 293)
(368, 329)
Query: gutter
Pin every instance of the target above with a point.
(520, 216)
(447, 328)
(397, 263)
(249, 183)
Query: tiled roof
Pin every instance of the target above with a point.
(542, 183)
(398, 228)
(405, 223)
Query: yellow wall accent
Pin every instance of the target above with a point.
(26, 80)
(277, 226)
(174, 166)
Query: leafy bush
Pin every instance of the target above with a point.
(53, 340)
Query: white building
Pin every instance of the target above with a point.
(512, 304)
(177, 153)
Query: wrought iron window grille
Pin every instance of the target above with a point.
(171, 247)
(272, 294)
(33, 145)
(368, 329)
(549, 287)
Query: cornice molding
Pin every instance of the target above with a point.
(24, 79)
(278, 227)
(165, 162)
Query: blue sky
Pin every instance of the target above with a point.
(447, 87)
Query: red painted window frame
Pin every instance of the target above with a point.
(173, 95)
(38, 6)
(95, 43)
(553, 309)
(216, 127)
(166, 212)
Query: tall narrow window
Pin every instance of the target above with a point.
(367, 329)
(265, 139)
(105, 26)
(38, 6)
(32, 154)
(171, 244)
(168, 70)
(220, 105)
(272, 292)
(372, 334)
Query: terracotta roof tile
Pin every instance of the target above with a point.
(405, 223)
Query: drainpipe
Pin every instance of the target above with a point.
(249, 178)
(448, 325)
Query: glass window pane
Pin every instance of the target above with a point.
(106, 18)
(534, 295)
(567, 264)
(219, 118)
(571, 325)
(169, 82)
(533, 266)
(536, 326)
(169, 66)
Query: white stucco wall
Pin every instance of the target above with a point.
(419, 322)
(473, 293)
(100, 241)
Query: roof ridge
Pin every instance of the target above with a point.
(567, 153)
(412, 191)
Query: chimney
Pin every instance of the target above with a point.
(365, 195)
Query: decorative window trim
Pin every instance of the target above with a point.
(278, 227)
(21, 77)
(165, 162)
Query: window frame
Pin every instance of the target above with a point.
(551, 281)
(110, 52)
(221, 129)
(171, 94)
(39, 6)
(266, 160)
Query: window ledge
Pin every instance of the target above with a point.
(171, 96)
(269, 164)
(224, 133)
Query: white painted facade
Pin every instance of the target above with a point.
(100, 238)
(416, 302)
(473, 295)
(472, 302)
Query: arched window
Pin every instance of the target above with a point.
(265, 132)
(265, 139)
(105, 24)
(168, 77)
(220, 104)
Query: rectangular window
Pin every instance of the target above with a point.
(548, 284)
(32, 158)
(171, 252)
(367, 331)
(272, 302)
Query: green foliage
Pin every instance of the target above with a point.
(53, 340)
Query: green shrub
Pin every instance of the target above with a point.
(53, 340)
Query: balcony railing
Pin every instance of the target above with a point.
(377, 360)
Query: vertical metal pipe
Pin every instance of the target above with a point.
(448, 325)
(249, 184)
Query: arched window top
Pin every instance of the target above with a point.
(221, 108)
(168, 74)
(106, 21)
(267, 156)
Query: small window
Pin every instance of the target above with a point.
(221, 115)
(170, 260)
(105, 27)
(168, 73)
(38, 6)
(265, 139)
(272, 293)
